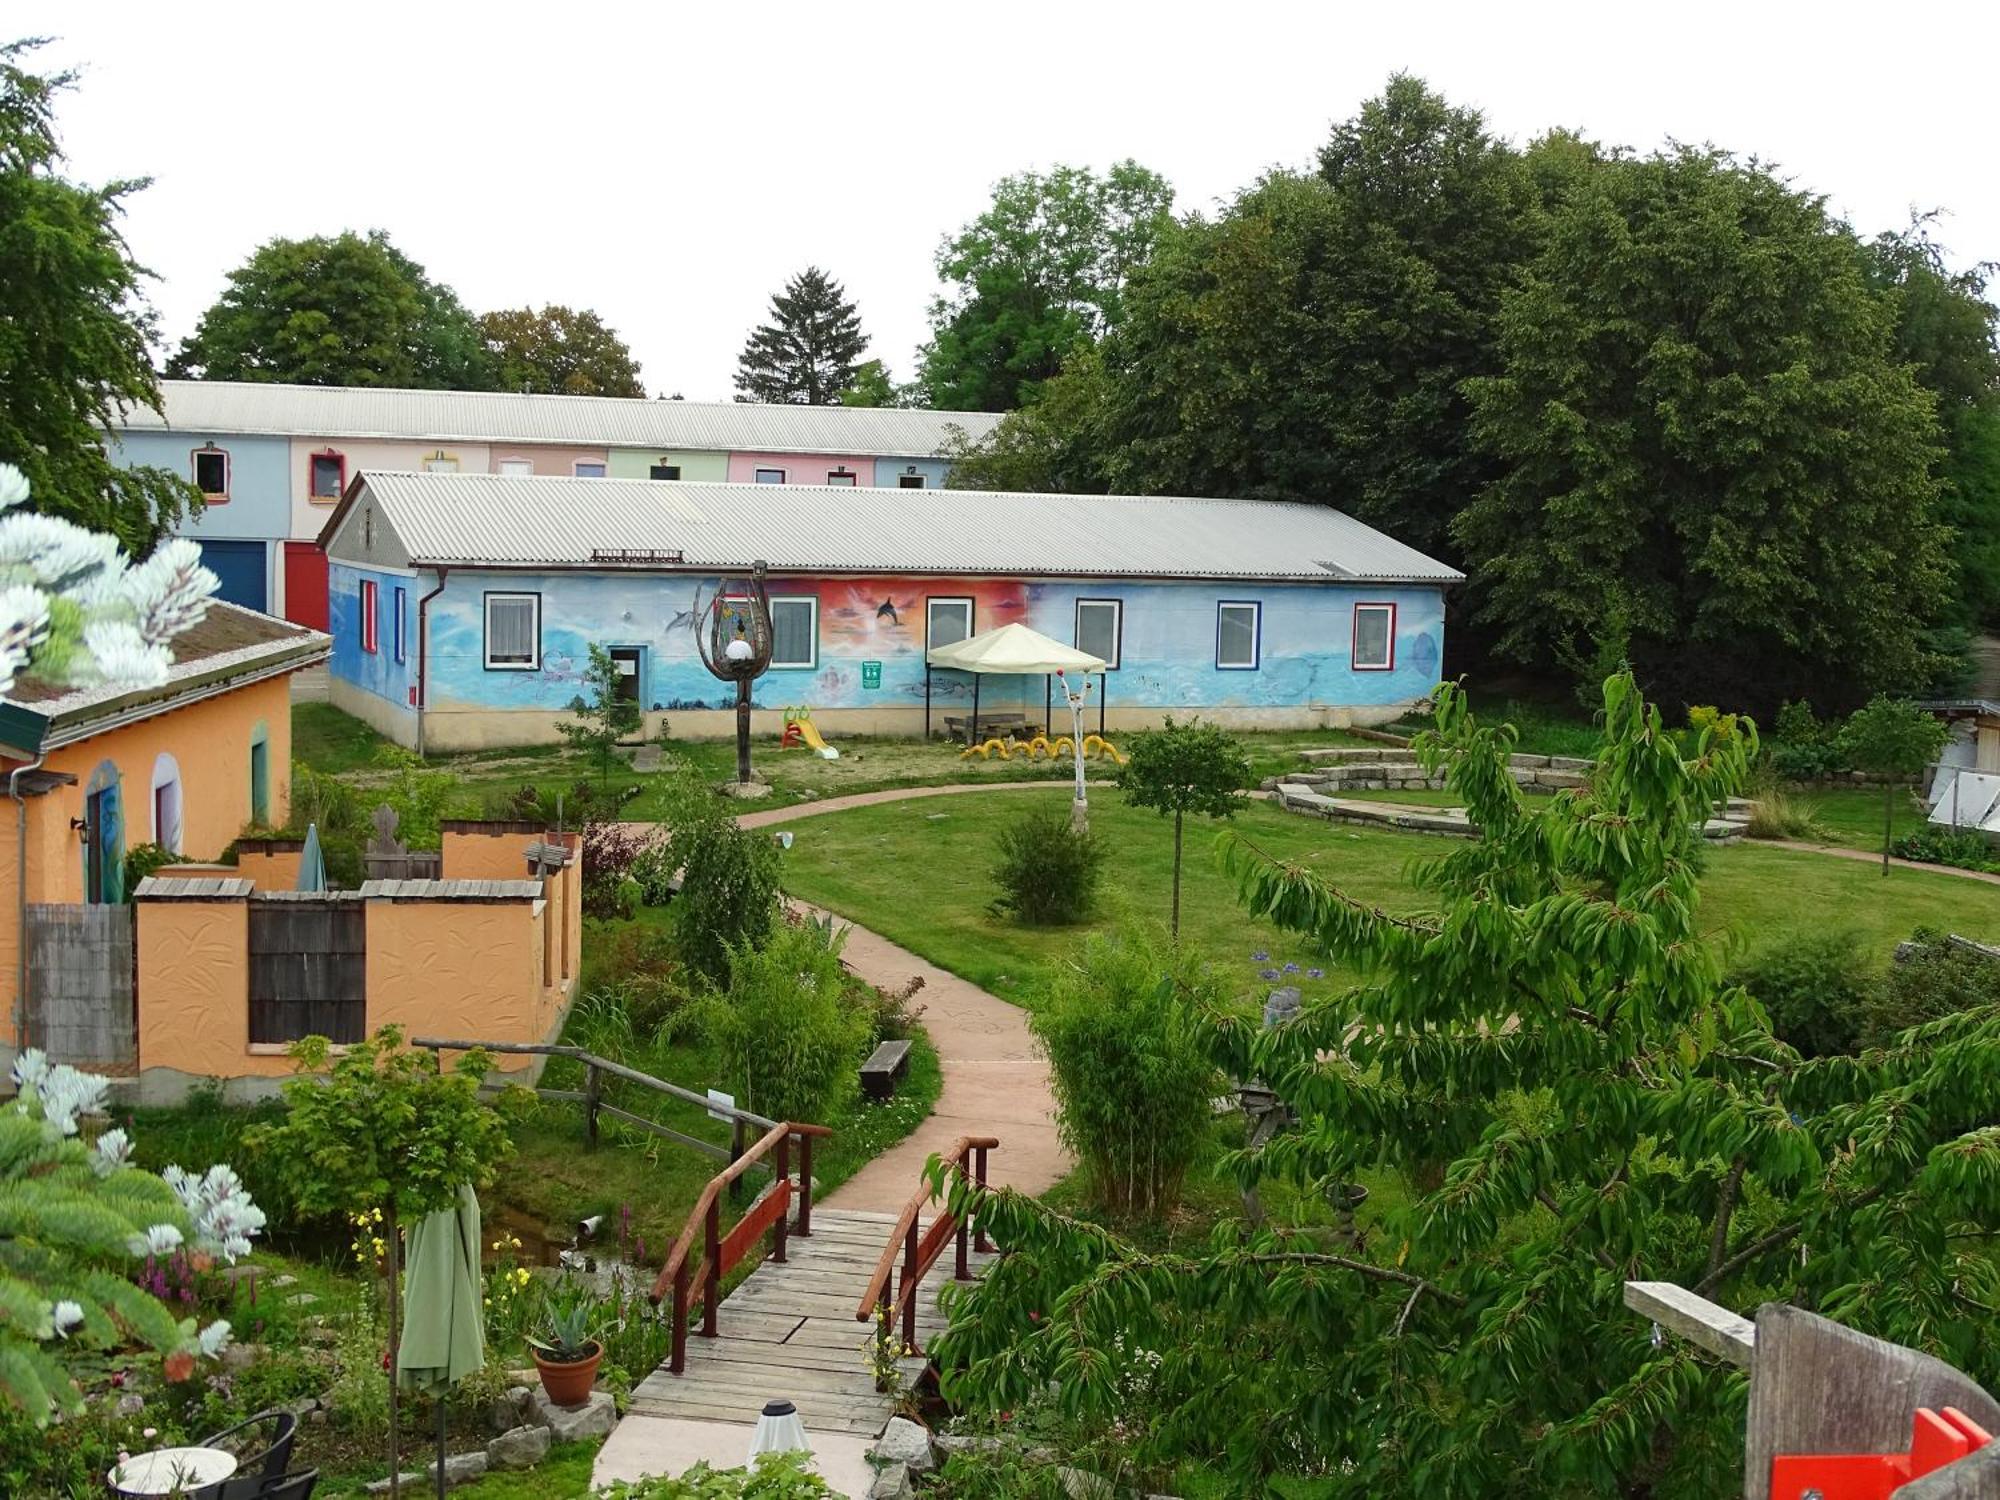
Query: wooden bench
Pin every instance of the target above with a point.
(885, 1065)
(993, 726)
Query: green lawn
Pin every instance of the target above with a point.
(918, 873)
(1851, 816)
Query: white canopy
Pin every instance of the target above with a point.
(1014, 650)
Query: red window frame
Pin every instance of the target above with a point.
(370, 641)
(311, 460)
(1354, 636)
(220, 497)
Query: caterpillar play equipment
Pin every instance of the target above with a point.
(1093, 745)
(800, 730)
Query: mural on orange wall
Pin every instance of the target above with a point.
(878, 617)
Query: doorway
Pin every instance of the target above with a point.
(631, 664)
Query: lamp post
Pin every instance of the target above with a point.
(734, 638)
(1079, 809)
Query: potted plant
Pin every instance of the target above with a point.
(568, 1358)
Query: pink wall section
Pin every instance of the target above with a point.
(800, 468)
(560, 462)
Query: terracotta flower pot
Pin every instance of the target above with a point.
(569, 1384)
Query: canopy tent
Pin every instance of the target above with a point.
(1011, 651)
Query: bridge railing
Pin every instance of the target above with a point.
(921, 1251)
(721, 1252)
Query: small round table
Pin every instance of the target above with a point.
(169, 1471)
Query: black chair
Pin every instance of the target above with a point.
(262, 1444)
(297, 1486)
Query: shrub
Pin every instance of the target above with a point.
(576, 806)
(1931, 977)
(142, 860)
(639, 970)
(1803, 748)
(1958, 847)
(418, 795)
(1778, 815)
(1816, 988)
(786, 1029)
(774, 1476)
(1048, 870)
(1132, 1078)
(729, 893)
(609, 852)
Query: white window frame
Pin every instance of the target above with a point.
(167, 773)
(534, 664)
(1354, 661)
(757, 476)
(931, 604)
(842, 478)
(1256, 608)
(516, 468)
(812, 662)
(210, 450)
(1117, 608)
(913, 481)
(577, 466)
(399, 603)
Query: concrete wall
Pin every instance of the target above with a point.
(800, 468)
(889, 471)
(259, 503)
(1304, 677)
(309, 515)
(637, 463)
(557, 461)
(378, 672)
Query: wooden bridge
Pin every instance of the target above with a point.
(799, 1326)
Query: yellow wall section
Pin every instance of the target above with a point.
(456, 969)
(194, 980)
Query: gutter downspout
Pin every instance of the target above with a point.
(424, 653)
(21, 889)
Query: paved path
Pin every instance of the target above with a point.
(994, 1082)
(1871, 859)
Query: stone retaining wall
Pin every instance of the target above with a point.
(1389, 770)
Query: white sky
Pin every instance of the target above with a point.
(670, 164)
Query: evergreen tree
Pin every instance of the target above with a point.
(74, 328)
(808, 353)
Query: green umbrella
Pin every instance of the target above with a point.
(444, 1338)
(312, 863)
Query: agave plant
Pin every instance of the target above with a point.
(568, 1341)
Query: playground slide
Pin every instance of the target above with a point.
(809, 732)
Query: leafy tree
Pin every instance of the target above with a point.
(77, 1221)
(1036, 277)
(1741, 483)
(872, 386)
(1892, 737)
(382, 1131)
(604, 718)
(346, 309)
(806, 354)
(1945, 328)
(74, 327)
(728, 897)
(1053, 446)
(560, 351)
(1181, 769)
(1542, 1053)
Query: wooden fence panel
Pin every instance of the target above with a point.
(80, 1002)
(308, 968)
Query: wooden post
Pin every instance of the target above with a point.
(910, 1286)
(593, 1095)
(711, 1290)
(395, 1465)
(736, 1155)
(681, 1317)
(927, 689)
(983, 1244)
(778, 1186)
(962, 1271)
(803, 1226)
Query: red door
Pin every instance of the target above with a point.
(305, 584)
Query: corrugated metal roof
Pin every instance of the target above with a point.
(488, 519)
(233, 406)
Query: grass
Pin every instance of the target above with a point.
(332, 741)
(1850, 817)
(917, 872)
(564, 1473)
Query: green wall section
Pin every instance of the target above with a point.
(635, 463)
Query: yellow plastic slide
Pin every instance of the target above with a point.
(809, 732)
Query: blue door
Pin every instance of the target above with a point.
(241, 567)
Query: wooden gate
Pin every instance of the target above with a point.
(80, 991)
(308, 966)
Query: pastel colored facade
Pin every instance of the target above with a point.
(275, 460)
(493, 655)
(188, 766)
(480, 953)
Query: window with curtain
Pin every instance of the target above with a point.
(947, 622)
(795, 632)
(1374, 638)
(1099, 624)
(1236, 630)
(513, 632)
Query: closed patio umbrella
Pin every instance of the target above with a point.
(312, 863)
(444, 1337)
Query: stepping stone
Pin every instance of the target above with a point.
(647, 758)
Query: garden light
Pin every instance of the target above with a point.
(779, 1430)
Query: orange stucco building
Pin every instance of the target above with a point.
(90, 774)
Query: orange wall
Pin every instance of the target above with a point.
(487, 856)
(456, 969)
(194, 990)
(277, 870)
(210, 742)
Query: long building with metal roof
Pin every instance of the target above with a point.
(463, 606)
(272, 461)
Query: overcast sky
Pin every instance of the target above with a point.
(670, 164)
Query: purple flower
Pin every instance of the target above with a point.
(1267, 973)
(1315, 973)
(1259, 956)
(1291, 968)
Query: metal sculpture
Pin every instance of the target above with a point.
(733, 635)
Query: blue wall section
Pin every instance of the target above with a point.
(1168, 657)
(377, 672)
(889, 470)
(260, 498)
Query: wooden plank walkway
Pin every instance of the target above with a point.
(789, 1333)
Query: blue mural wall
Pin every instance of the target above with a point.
(1168, 657)
(889, 471)
(260, 497)
(377, 671)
